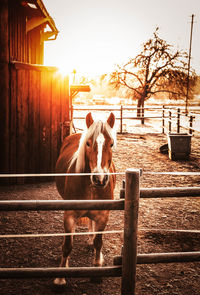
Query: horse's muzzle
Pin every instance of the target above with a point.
(99, 180)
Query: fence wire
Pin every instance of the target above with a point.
(178, 173)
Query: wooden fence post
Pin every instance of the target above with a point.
(170, 121)
(191, 123)
(121, 119)
(132, 193)
(163, 119)
(142, 121)
(178, 120)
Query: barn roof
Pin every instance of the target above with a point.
(37, 15)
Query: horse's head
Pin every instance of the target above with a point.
(99, 140)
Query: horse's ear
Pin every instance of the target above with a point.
(111, 120)
(89, 120)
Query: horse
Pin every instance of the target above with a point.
(89, 152)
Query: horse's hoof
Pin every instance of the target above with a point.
(60, 282)
(99, 262)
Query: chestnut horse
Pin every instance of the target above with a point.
(91, 153)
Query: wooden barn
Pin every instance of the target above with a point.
(35, 107)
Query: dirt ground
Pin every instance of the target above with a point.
(133, 151)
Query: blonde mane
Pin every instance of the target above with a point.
(92, 132)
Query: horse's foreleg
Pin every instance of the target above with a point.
(69, 223)
(91, 229)
(100, 225)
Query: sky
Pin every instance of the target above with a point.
(95, 35)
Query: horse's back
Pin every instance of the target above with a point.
(68, 148)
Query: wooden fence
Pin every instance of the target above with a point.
(120, 113)
(175, 120)
(38, 115)
(168, 116)
(124, 266)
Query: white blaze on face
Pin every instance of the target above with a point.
(100, 142)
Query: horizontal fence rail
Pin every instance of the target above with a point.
(71, 272)
(47, 205)
(163, 258)
(166, 192)
(109, 271)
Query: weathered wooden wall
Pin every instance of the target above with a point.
(17, 32)
(24, 47)
(4, 85)
(39, 105)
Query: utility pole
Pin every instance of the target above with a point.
(74, 78)
(189, 58)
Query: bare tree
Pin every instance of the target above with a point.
(157, 68)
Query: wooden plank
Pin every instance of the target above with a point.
(37, 46)
(22, 123)
(13, 123)
(14, 28)
(35, 22)
(11, 33)
(68, 101)
(31, 45)
(80, 88)
(46, 205)
(170, 192)
(55, 121)
(166, 192)
(15, 35)
(28, 48)
(34, 122)
(60, 127)
(23, 36)
(65, 110)
(154, 258)
(41, 42)
(4, 86)
(71, 272)
(18, 36)
(26, 66)
(63, 101)
(45, 123)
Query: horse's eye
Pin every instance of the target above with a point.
(111, 144)
(87, 143)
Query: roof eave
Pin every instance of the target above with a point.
(42, 12)
(41, 6)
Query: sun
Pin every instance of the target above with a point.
(86, 61)
(64, 71)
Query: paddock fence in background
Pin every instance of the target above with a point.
(167, 118)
